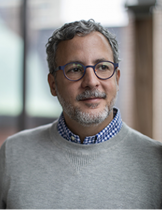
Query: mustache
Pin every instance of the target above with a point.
(90, 94)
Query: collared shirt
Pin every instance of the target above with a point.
(108, 132)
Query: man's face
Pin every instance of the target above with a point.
(90, 100)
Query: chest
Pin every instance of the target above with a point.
(86, 183)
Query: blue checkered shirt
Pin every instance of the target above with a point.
(108, 132)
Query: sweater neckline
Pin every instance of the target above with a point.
(104, 135)
(63, 144)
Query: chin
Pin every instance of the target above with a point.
(89, 118)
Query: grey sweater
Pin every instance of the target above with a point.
(40, 169)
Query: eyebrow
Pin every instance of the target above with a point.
(100, 60)
(94, 62)
(74, 61)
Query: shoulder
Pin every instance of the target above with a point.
(30, 134)
(28, 139)
(139, 136)
(141, 142)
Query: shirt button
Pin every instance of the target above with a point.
(72, 138)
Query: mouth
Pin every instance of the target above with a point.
(91, 99)
(92, 102)
(91, 96)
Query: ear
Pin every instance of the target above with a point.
(52, 84)
(117, 77)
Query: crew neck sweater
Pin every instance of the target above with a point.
(41, 170)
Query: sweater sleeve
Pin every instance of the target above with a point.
(2, 177)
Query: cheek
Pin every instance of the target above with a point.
(111, 87)
(67, 90)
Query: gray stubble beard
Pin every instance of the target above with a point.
(83, 118)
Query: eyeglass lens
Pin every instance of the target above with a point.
(74, 71)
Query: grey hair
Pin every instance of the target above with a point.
(80, 28)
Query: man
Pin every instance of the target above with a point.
(89, 158)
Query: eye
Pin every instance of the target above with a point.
(102, 67)
(74, 69)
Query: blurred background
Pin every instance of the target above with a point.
(26, 25)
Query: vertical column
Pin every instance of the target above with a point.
(127, 72)
(22, 117)
(157, 73)
(143, 75)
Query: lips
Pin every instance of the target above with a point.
(91, 95)
(91, 98)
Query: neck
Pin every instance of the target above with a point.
(87, 130)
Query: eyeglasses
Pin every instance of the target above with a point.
(75, 71)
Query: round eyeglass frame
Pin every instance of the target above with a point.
(85, 67)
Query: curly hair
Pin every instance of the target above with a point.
(80, 28)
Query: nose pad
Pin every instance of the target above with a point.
(90, 72)
(90, 79)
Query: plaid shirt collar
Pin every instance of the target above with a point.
(108, 132)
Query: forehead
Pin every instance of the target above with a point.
(93, 45)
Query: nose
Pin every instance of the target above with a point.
(90, 80)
